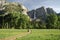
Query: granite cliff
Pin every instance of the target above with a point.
(40, 13)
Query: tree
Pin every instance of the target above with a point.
(23, 21)
(52, 21)
(12, 14)
(58, 23)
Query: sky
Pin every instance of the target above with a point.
(34, 4)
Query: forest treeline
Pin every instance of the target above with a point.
(13, 18)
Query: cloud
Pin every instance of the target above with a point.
(33, 4)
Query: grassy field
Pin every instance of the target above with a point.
(36, 34)
(10, 32)
(42, 34)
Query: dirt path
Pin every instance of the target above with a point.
(16, 36)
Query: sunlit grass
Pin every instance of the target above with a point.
(43, 34)
(10, 32)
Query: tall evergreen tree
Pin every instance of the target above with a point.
(52, 21)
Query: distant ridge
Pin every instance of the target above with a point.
(41, 12)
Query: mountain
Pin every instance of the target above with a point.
(58, 14)
(37, 14)
(12, 6)
(40, 13)
(50, 10)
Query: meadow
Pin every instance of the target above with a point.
(4, 33)
(42, 34)
(36, 34)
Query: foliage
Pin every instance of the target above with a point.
(13, 17)
(52, 21)
(58, 23)
(23, 21)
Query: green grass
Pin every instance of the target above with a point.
(42, 34)
(10, 32)
(37, 34)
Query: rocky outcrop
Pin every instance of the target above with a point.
(40, 13)
(13, 5)
(31, 13)
(2, 2)
(50, 11)
(24, 9)
(58, 14)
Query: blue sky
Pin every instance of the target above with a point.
(33, 4)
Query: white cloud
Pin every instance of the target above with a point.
(33, 4)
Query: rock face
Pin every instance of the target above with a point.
(24, 9)
(31, 13)
(40, 13)
(58, 14)
(3, 2)
(50, 10)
